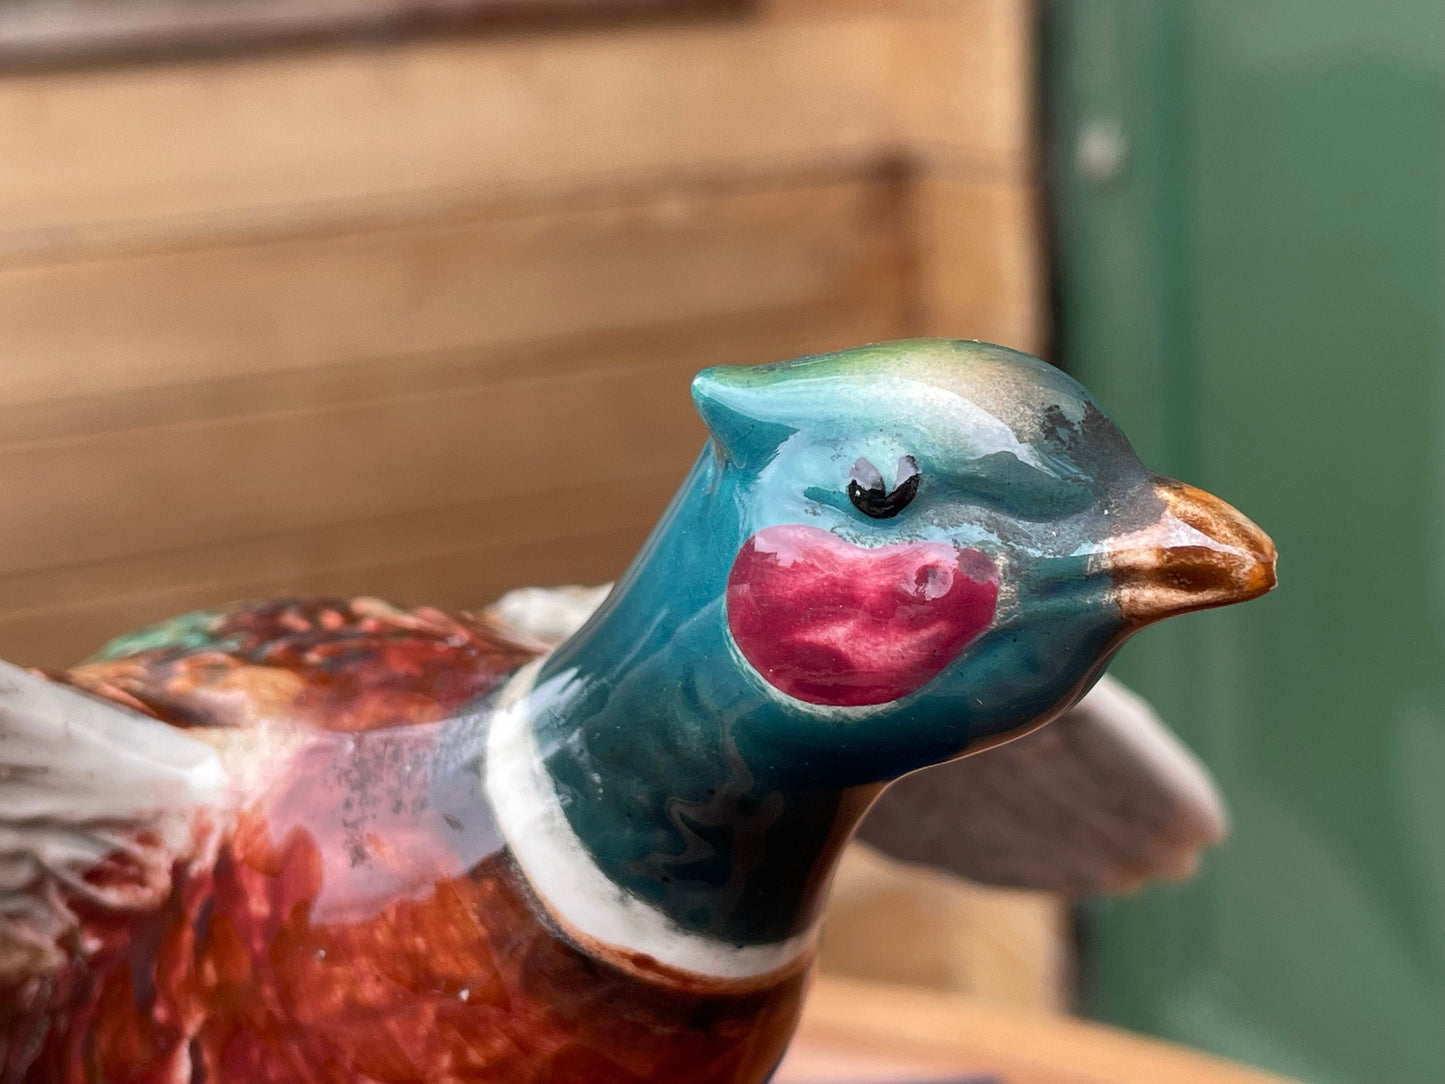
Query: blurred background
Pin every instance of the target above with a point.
(403, 296)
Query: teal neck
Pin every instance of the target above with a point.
(647, 740)
(715, 799)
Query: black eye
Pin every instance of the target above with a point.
(872, 496)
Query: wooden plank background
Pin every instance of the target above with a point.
(866, 1033)
(419, 319)
(50, 32)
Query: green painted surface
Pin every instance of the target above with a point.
(1251, 207)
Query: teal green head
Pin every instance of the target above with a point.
(884, 558)
(950, 522)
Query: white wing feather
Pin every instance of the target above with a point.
(548, 614)
(83, 782)
(1102, 799)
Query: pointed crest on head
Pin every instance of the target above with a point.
(737, 412)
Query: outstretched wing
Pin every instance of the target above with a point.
(547, 614)
(98, 806)
(1103, 799)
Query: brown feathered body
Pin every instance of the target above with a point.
(344, 911)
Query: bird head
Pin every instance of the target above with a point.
(932, 546)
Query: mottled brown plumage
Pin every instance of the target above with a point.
(331, 928)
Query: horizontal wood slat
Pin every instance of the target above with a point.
(197, 145)
(166, 487)
(964, 79)
(556, 530)
(343, 442)
(980, 260)
(60, 636)
(358, 467)
(457, 557)
(101, 324)
(927, 1035)
(48, 33)
(171, 486)
(287, 322)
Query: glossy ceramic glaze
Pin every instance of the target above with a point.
(360, 919)
(426, 850)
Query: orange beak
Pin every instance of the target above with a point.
(1200, 553)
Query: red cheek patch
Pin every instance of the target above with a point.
(829, 622)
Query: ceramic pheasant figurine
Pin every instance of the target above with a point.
(345, 842)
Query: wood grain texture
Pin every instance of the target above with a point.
(191, 145)
(104, 321)
(482, 531)
(965, 74)
(421, 409)
(287, 381)
(981, 260)
(48, 33)
(918, 926)
(430, 556)
(861, 1024)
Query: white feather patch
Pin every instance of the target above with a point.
(548, 614)
(83, 781)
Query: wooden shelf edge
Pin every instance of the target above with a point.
(936, 1025)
